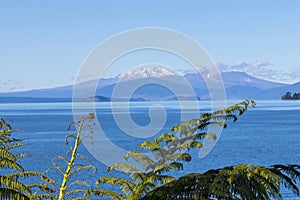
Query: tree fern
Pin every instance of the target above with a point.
(167, 153)
(245, 182)
(10, 187)
(46, 188)
(68, 187)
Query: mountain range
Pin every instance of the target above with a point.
(157, 83)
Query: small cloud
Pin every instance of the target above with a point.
(12, 89)
(239, 65)
(108, 74)
(262, 69)
(243, 66)
(9, 85)
(261, 64)
(295, 73)
(221, 66)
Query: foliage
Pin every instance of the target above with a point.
(10, 187)
(289, 96)
(167, 153)
(245, 182)
(70, 188)
(47, 188)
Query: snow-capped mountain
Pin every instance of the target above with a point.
(146, 72)
(152, 82)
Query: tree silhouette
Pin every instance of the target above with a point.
(289, 96)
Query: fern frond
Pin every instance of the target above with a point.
(160, 169)
(152, 146)
(144, 160)
(7, 194)
(86, 167)
(123, 167)
(125, 185)
(55, 166)
(165, 137)
(82, 157)
(4, 153)
(9, 183)
(10, 164)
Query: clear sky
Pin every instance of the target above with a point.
(43, 43)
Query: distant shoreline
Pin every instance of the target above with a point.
(89, 99)
(33, 100)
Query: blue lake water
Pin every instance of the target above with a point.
(265, 135)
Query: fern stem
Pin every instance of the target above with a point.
(66, 176)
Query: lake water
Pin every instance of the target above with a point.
(266, 135)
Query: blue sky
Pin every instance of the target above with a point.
(43, 43)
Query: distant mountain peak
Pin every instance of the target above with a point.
(146, 72)
(238, 85)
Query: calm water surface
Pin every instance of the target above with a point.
(265, 135)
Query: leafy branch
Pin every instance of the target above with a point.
(167, 153)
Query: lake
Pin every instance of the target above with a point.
(265, 135)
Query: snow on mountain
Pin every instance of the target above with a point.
(146, 72)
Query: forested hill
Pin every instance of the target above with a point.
(289, 96)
